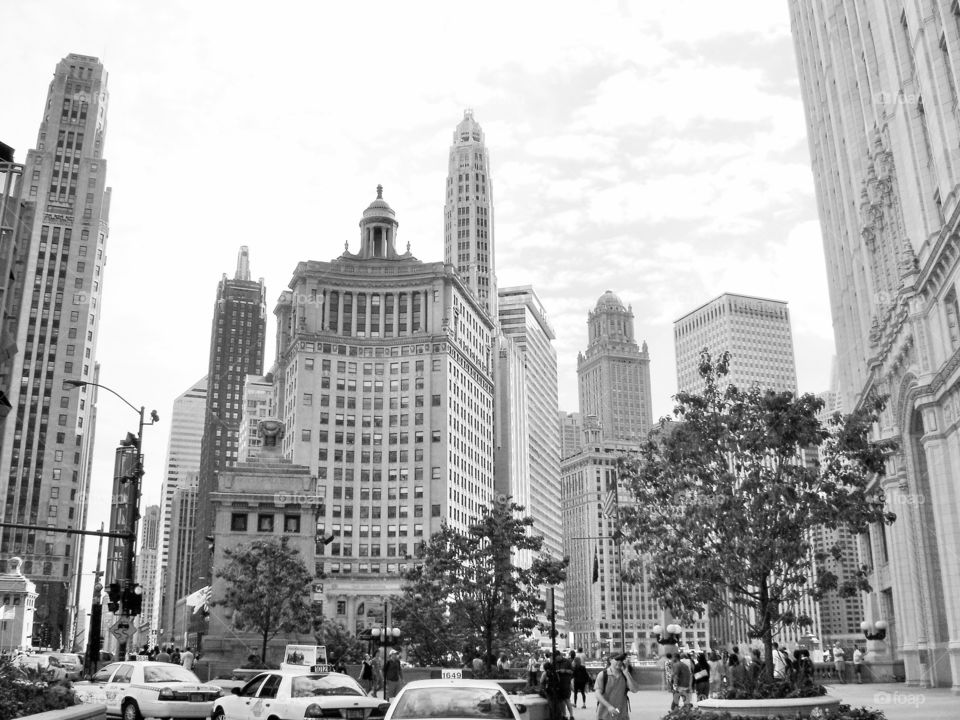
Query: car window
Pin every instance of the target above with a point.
(331, 684)
(104, 674)
(270, 687)
(452, 702)
(167, 672)
(250, 689)
(123, 674)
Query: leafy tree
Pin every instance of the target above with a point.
(727, 497)
(267, 588)
(340, 644)
(466, 587)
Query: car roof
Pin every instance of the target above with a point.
(454, 682)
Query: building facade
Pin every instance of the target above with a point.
(879, 84)
(385, 388)
(45, 449)
(183, 460)
(613, 374)
(147, 560)
(571, 433)
(259, 403)
(236, 350)
(179, 574)
(756, 332)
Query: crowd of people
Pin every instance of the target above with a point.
(167, 654)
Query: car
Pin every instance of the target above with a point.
(70, 662)
(454, 698)
(298, 696)
(140, 688)
(48, 666)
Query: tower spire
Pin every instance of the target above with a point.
(243, 264)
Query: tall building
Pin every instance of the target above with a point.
(879, 84)
(236, 350)
(384, 385)
(755, 331)
(45, 450)
(571, 433)
(606, 613)
(179, 574)
(468, 213)
(614, 374)
(259, 403)
(183, 459)
(147, 576)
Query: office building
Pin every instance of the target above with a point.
(179, 574)
(571, 433)
(879, 84)
(614, 374)
(44, 454)
(259, 403)
(236, 350)
(183, 459)
(385, 388)
(146, 627)
(756, 332)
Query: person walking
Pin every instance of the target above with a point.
(839, 663)
(611, 688)
(392, 675)
(715, 665)
(533, 670)
(681, 682)
(187, 658)
(581, 678)
(378, 683)
(858, 663)
(701, 676)
(163, 656)
(366, 674)
(551, 689)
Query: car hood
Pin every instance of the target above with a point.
(361, 701)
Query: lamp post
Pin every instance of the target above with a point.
(874, 631)
(386, 637)
(671, 637)
(131, 599)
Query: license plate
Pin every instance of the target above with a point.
(196, 697)
(354, 714)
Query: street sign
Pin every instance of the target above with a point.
(121, 630)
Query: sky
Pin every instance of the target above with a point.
(656, 149)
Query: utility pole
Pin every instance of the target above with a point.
(96, 614)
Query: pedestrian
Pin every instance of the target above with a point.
(581, 678)
(378, 682)
(533, 670)
(163, 656)
(715, 664)
(701, 676)
(392, 675)
(187, 659)
(858, 663)
(779, 663)
(366, 674)
(611, 688)
(565, 670)
(681, 682)
(552, 691)
(175, 656)
(839, 663)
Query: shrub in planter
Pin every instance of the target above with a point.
(27, 692)
(843, 712)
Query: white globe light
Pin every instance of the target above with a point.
(375, 632)
(865, 626)
(880, 624)
(396, 632)
(657, 630)
(674, 629)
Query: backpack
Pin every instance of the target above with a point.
(600, 683)
(551, 684)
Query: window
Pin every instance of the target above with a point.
(305, 435)
(308, 399)
(238, 522)
(308, 363)
(291, 523)
(265, 522)
(436, 400)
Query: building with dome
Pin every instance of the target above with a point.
(384, 383)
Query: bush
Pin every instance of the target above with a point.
(26, 692)
(843, 712)
(774, 690)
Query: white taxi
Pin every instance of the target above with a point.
(273, 695)
(138, 689)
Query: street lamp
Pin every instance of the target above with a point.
(874, 631)
(385, 636)
(673, 634)
(131, 599)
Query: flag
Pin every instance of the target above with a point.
(8, 613)
(199, 600)
(610, 504)
(596, 565)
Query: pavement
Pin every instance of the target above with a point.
(898, 702)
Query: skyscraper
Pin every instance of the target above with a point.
(45, 449)
(384, 384)
(236, 350)
(183, 459)
(755, 331)
(879, 84)
(571, 433)
(147, 575)
(614, 374)
(468, 213)
(183, 518)
(258, 403)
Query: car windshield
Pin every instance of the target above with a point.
(168, 673)
(452, 702)
(332, 684)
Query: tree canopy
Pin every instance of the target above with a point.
(466, 590)
(267, 587)
(728, 492)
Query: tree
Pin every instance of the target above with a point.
(468, 581)
(727, 497)
(267, 588)
(341, 645)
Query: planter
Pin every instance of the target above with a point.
(787, 707)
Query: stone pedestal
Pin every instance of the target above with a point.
(18, 595)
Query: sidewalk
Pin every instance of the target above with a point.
(898, 702)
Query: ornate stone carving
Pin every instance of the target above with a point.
(271, 432)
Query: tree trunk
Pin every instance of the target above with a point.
(263, 649)
(767, 631)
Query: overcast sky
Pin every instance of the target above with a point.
(656, 149)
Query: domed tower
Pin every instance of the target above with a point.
(378, 231)
(468, 213)
(614, 373)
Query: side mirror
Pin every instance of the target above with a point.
(235, 691)
(521, 708)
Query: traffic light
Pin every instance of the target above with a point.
(113, 597)
(132, 600)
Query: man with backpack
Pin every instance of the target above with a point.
(552, 691)
(681, 682)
